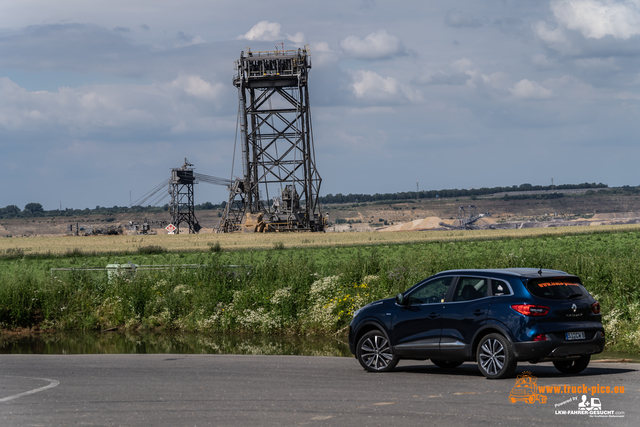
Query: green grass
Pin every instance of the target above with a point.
(298, 290)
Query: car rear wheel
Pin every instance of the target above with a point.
(374, 352)
(495, 357)
(446, 364)
(572, 366)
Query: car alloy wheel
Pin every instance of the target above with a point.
(374, 352)
(495, 357)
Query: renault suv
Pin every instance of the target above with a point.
(493, 317)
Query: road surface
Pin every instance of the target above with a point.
(236, 390)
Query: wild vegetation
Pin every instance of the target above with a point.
(286, 289)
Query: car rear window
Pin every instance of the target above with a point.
(499, 287)
(561, 288)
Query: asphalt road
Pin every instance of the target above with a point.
(232, 390)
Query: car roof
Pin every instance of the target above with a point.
(527, 273)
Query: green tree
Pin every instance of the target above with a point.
(33, 209)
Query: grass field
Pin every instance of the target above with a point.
(294, 284)
(203, 242)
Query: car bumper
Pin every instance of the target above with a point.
(557, 348)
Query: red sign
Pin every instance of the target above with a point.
(171, 228)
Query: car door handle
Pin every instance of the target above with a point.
(478, 312)
(434, 315)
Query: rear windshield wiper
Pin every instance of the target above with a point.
(572, 296)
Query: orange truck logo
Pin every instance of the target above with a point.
(526, 390)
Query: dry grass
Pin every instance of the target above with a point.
(203, 242)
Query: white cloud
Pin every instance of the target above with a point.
(497, 81)
(322, 54)
(458, 73)
(297, 39)
(599, 18)
(462, 65)
(376, 45)
(527, 89)
(263, 31)
(197, 87)
(549, 35)
(270, 31)
(368, 85)
(554, 38)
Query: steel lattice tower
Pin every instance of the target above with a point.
(280, 185)
(182, 201)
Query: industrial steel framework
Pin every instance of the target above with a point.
(280, 184)
(182, 201)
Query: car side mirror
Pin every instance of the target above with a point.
(400, 300)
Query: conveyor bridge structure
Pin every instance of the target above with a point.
(280, 184)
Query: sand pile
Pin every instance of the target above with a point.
(485, 221)
(428, 223)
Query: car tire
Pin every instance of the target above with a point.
(374, 352)
(572, 366)
(446, 364)
(495, 357)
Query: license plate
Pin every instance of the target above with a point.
(574, 336)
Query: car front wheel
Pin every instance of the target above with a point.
(374, 352)
(495, 357)
(572, 366)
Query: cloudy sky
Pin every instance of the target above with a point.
(100, 97)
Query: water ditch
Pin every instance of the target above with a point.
(171, 343)
(118, 342)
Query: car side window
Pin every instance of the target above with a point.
(432, 292)
(498, 287)
(470, 288)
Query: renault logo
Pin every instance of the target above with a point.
(574, 308)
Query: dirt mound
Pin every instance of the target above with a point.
(428, 223)
(485, 221)
(619, 215)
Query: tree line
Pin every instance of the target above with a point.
(432, 194)
(36, 210)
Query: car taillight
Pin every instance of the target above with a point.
(541, 337)
(531, 310)
(595, 307)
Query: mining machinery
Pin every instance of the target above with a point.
(280, 184)
(464, 221)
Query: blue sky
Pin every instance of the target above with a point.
(100, 97)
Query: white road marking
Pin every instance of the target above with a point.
(52, 384)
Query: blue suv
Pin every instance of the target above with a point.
(494, 317)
